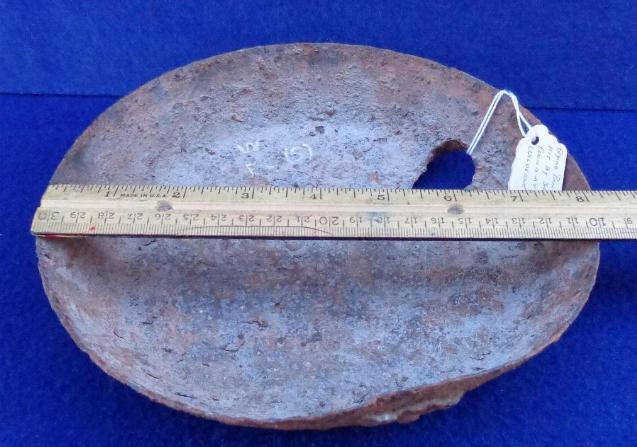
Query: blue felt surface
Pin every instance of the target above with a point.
(552, 53)
(580, 391)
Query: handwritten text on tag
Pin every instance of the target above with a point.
(539, 166)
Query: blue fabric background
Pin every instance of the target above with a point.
(63, 63)
(553, 54)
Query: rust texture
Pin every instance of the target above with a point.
(307, 334)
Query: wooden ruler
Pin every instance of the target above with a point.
(363, 213)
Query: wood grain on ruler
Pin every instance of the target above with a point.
(362, 213)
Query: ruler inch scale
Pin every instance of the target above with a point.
(333, 213)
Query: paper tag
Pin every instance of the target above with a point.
(539, 166)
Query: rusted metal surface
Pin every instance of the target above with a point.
(297, 334)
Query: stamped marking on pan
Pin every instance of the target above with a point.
(296, 155)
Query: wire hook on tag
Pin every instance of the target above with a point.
(523, 124)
